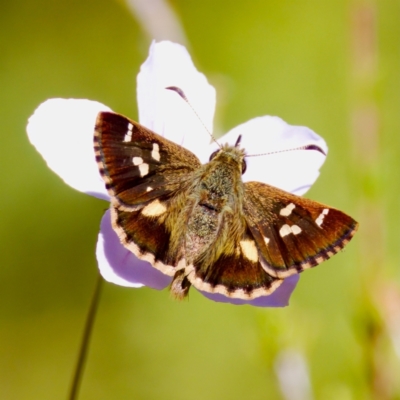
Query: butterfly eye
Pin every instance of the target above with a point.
(214, 154)
(244, 166)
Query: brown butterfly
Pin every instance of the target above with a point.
(201, 224)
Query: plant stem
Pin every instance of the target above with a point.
(86, 339)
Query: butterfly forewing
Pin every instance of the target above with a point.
(137, 164)
(293, 233)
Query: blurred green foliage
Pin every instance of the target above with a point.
(314, 63)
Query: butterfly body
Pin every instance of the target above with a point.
(201, 224)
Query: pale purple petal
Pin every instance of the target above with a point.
(62, 132)
(165, 111)
(293, 171)
(279, 298)
(118, 265)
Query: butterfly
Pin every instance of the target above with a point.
(201, 224)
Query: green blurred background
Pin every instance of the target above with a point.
(332, 65)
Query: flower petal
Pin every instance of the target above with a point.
(165, 111)
(294, 171)
(120, 266)
(279, 298)
(62, 132)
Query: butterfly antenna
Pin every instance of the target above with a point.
(307, 147)
(239, 139)
(182, 94)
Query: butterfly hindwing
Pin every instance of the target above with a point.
(239, 275)
(147, 237)
(293, 233)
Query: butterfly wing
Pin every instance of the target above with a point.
(137, 164)
(142, 172)
(293, 233)
(237, 275)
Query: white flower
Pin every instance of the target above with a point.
(62, 132)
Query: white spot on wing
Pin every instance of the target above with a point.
(287, 210)
(137, 160)
(287, 230)
(154, 209)
(144, 169)
(128, 135)
(149, 188)
(155, 153)
(321, 217)
(296, 229)
(249, 250)
(266, 240)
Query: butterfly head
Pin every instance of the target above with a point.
(231, 155)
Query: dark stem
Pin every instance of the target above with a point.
(86, 339)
